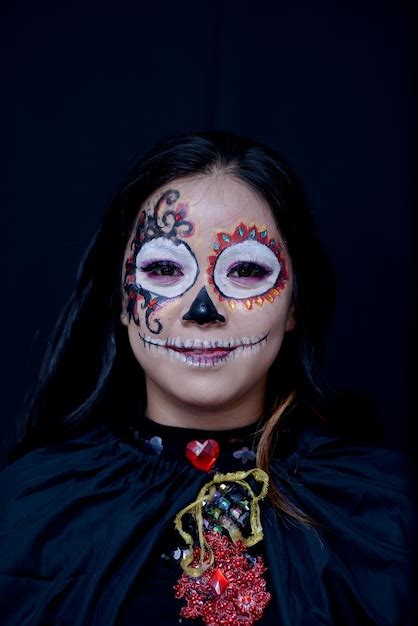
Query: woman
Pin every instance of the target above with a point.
(180, 462)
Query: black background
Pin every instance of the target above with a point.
(331, 85)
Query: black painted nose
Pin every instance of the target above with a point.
(202, 310)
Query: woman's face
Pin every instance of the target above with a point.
(207, 290)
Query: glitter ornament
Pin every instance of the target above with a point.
(231, 593)
(222, 582)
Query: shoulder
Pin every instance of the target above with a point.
(362, 550)
(340, 474)
(52, 472)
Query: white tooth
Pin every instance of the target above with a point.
(188, 343)
(206, 343)
(246, 340)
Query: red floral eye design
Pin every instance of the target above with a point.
(248, 266)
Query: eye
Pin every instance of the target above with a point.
(248, 269)
(245, 270)
(165, 268)
(162, 268)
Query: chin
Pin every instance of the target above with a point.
(205, 401)
(209, 392)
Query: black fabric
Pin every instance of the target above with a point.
(86, 525)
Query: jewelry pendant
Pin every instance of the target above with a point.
(202, 454)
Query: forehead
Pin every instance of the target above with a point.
(218, 201)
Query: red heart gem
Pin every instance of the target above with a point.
(202, 454)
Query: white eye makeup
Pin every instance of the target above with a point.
(245, 270)
(164, 268)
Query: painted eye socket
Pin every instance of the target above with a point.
(165, 268)
(245, 270)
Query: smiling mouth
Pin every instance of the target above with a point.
(204, 352)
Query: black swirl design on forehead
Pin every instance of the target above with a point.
(166, 219)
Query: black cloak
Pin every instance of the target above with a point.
(84, 524)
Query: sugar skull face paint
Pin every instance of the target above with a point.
(248, 266)
(161, 265)
(206, 334)
(164, 268)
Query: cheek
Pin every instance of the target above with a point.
(263, 314)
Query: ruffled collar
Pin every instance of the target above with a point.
(237, 446)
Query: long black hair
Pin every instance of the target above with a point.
(89, 374)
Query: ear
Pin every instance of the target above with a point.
(124, 318)
(290, 323)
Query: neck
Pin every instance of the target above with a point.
(164, 408)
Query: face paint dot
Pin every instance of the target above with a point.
(270, 297)
(215, 246)
(263, 234)
(252, 233)
(225, 237)
(272, 243)
(260, 301)
(152, 303)
(240, 231)
(231, 304)
(249, 304)
(275, 292)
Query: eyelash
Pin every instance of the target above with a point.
(157, 266)
(257, 271)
